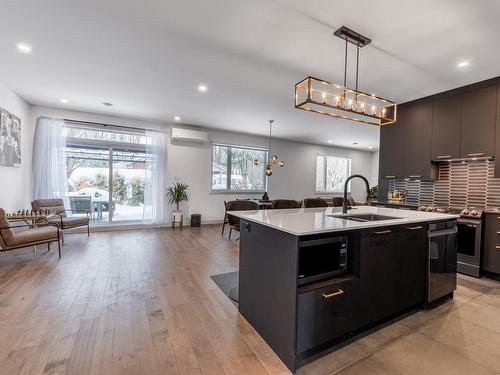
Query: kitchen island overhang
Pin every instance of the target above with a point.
(299, 314)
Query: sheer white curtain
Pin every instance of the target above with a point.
(155, 208)
(49, 160)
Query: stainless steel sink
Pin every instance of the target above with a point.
(364, 217)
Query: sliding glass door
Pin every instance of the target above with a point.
(106, 171)
(128, 177)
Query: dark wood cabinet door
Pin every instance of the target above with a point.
(418, 141)
(410, 286)
(446, 127)
(497, 136)
(329, 313)
(379, 255)
(491, 261)
(392, 149)
(478, 122)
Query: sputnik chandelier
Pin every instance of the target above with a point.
(274, 158)
(332, 99)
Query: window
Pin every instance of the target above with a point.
(106, 171)
(233, 169)
(331, 173)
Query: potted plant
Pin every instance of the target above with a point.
(373, 194)
(177, 193)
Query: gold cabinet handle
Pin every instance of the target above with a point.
(339, 292)
(497, 247)
(444, 156)
(415, 176)
(415, 228)
(476, 154)
(383, 232)
(498, 231)
(390, 176)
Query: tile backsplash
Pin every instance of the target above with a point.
(460, 184)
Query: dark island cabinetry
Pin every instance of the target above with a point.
(385, 275)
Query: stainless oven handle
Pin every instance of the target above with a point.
(443, 232)
(465, 221)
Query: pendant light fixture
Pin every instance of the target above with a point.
(332, 99)
(274, 158)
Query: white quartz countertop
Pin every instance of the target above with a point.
(303, 221)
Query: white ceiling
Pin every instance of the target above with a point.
(147, 57)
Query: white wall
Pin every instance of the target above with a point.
(191, 163)
(15, 183)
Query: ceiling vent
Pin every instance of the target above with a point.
(187, 135)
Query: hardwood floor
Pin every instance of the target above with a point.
(143, 302)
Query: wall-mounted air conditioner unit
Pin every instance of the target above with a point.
(187, 135)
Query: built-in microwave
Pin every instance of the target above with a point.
(320, 259)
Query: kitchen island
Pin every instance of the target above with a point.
(312, 278)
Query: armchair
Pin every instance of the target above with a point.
(32, 236)
(60, 217)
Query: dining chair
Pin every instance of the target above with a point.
(237, 205)
(285, 203)
(315, 203)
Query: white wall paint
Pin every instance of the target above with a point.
(15, 183)
(191, 163)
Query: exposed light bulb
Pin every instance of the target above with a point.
(323, 97)
(274, 158)
(281, 163)
(256, 162)
(269, 172)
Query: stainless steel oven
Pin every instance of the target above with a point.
(469, 246)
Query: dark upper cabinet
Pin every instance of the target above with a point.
(497, 138)
(418, 140)
(478, 122)
(392, 149)
(446, 127)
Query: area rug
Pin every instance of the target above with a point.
(228, 283)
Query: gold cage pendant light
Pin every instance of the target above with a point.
(332, 99)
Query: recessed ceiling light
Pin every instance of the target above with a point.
(202, 88)
(64, 101)
(177, 118)
(330, 141)
(107, 104)
(463, 64)
(370, 147)
(24, 48)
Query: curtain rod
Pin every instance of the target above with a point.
(100, 124)
(109, 125)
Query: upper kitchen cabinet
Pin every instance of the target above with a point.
(418, 141)
(478, 122)
(497, 138)
(392, 149)
(446, 126)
